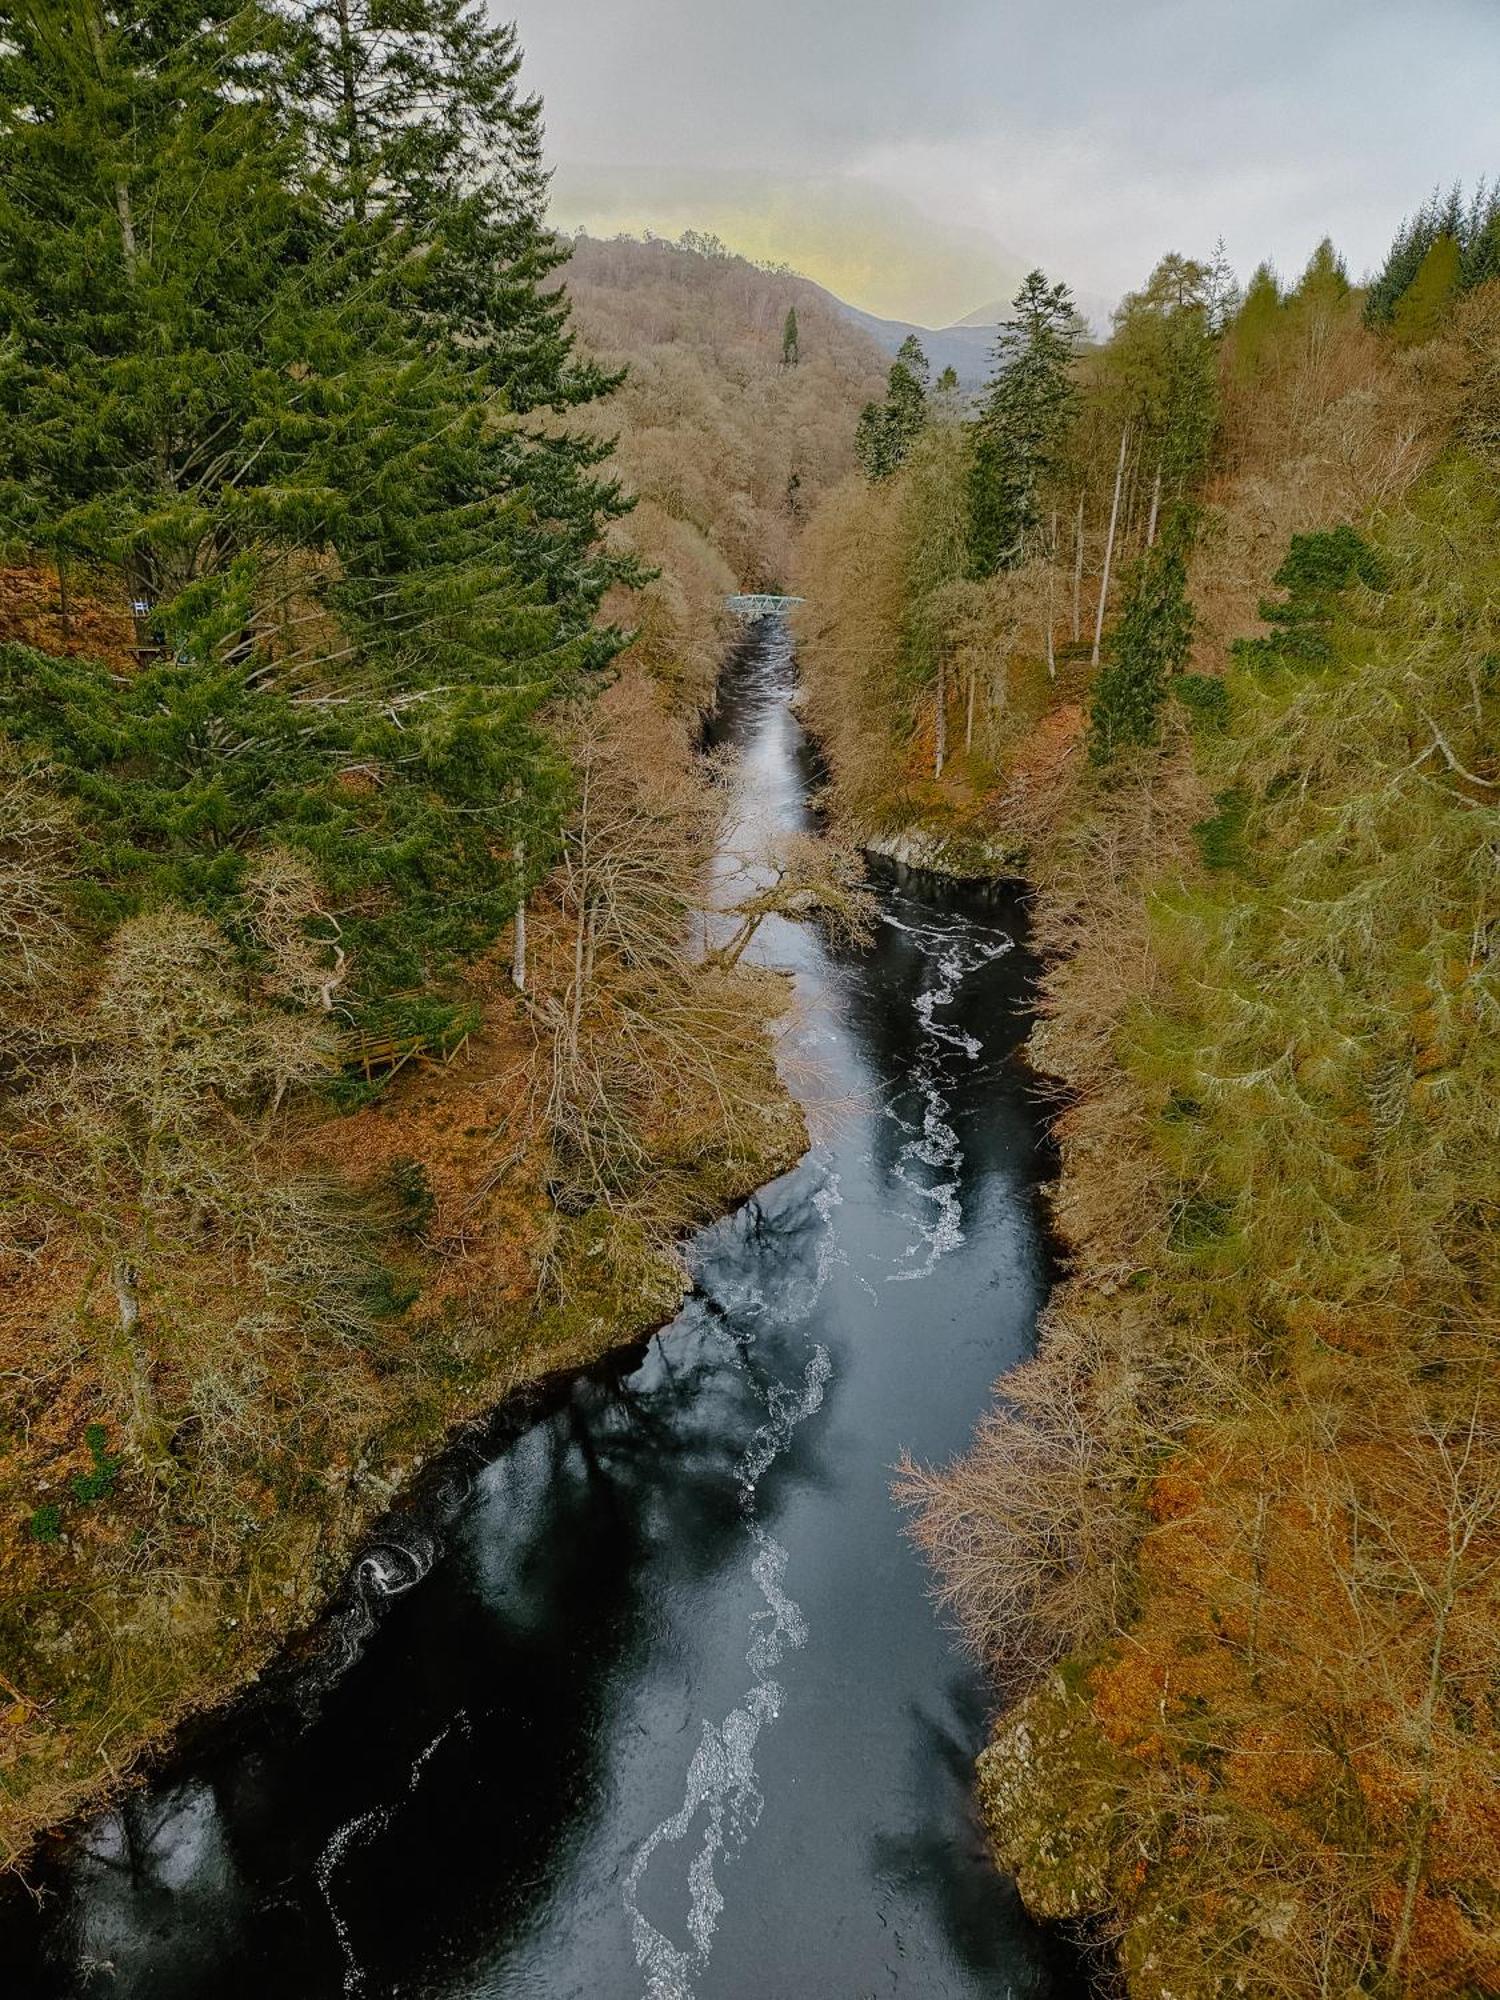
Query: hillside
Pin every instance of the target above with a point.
(967, 347)
(726, 450)
(1231, 1542)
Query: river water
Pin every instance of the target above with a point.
(643, 1696)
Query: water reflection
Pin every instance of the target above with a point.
(669, 1713)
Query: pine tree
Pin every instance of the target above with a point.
(870, 442)
(152, 230)
(1440, 215)
(1481, 238)
(887, 431)
(1153, 642)
(275, 371)
(1223, 297)
(1019, 436)
(906, 396)
(434, 164)
(426, 140)
(790, 351)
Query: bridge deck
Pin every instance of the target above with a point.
(760, 604)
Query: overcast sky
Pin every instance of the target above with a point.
(916, 154)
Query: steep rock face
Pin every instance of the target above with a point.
(959, 855)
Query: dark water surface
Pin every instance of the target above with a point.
(655, 1704)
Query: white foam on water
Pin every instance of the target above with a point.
(934, 1145)
(722, 1792)
(360, 1831)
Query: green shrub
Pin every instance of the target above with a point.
(99, 1483)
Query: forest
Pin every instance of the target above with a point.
(1197, 624)
(361, 592)
(367, 1049)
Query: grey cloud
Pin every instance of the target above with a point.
(1090, 129)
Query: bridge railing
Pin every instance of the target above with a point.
(761, 604)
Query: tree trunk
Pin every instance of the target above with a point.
(969, 714)
(146, 1424)
(1051, 601)
(1078, 574)
(518, 953)
(575, 1004)
(1109, 546)
(1416, 1859)
(1155, 507)
(941, 756)
(351, 109)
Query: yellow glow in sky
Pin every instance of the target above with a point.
(871, 251)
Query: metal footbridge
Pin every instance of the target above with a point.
(758, 604)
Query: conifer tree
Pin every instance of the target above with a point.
(790, 351)
(1153, 642)
(1440, 215)
(1019, 436)
(887, 431)
(1164, 361)
(252, 361)
(1223, 297)
(434, 165)
(1481, 238)
(152, 230)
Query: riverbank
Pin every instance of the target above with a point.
(1229, 1542)
(637, 1651)
(131, 1602)
(94, 1701)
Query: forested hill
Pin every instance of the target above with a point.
(726, 436)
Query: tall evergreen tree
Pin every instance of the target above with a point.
(1421, 309)
(1481, 238)
(886, 432)
(1440, 215)
(1153, 642)
(791, 352)
(278, 378)
(1222, 295)
(152, 233)
(1163, 358)
(433, 162)
(1019, 436)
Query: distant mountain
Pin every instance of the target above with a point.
(965, 348)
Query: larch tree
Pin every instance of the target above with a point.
(1252, 331)
(1422, 308)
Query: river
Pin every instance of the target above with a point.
(643, 1695)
